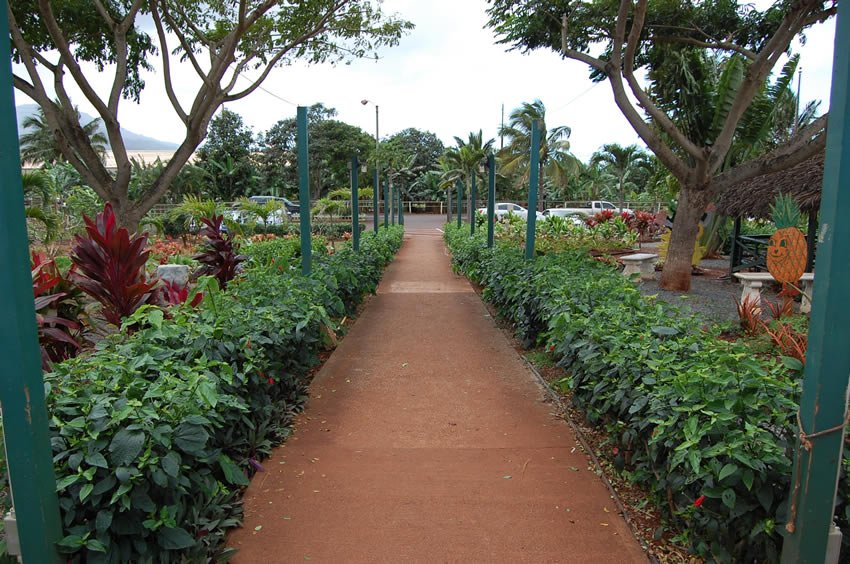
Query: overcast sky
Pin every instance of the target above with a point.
(447, 76)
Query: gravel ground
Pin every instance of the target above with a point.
(710, 297)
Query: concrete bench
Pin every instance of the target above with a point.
(752, 283)
(640, 263)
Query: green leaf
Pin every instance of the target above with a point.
(728, 498)
(97, 459)
(727, 470)
(85, 491)
(694, 458)
(747, 477)
(174, 538)
(662, 331)
(191, 438)
(95, 545)
(103, 521)
(126, 446)
(171, 464)
(792, 363)
(66, 481)
(232, 473)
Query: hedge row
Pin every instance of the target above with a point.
(156, 433)
(691, 414)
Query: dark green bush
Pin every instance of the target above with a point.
(329, 230)
(693, 414)
(155, 434)
(280, 251)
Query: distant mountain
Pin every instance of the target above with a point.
(133, 141)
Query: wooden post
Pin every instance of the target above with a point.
(29, 454)
(824, 402)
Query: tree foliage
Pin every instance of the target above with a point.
(226, 157)
(215, 41)
(688, 117)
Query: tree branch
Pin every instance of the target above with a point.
(661, 118)
(166, 67)
(808, 142)
(757, 73)
(187, 49)
(718, 45)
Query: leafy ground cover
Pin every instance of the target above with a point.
(703, 425)
(156, 432)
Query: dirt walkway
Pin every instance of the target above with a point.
(426, 439)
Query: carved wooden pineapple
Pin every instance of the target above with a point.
(787, 251)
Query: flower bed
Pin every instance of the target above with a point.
(705, 426)
(156, 433)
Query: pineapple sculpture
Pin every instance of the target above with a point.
(787, 251)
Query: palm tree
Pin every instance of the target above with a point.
(37, 183)
(623, 163)
(38, 145)
(556, 161)
(462, 161)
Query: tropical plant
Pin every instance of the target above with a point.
(262, 211)
(623, 163)
(461, 163)
(218, 257)
(57, 307)
(330, 207)
(36, 183)
(40, 146)
(219, 40)
(111, 266)
(620, 39)
(556, 162)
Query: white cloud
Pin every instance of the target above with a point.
(448, 76)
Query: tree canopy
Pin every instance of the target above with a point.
(218, 40)
(666, 38)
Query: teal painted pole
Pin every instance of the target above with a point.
(400, 208)
(375, 193)
(824, 401)
(491, 198)
(533, 176)
(304, 190)
(386, 205)
(459, 203)
(355, 203)
(472, 204)
(393, 207)
(30, 457)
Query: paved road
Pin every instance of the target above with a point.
(426, 439)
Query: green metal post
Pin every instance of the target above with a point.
(393, 208)
(533, 175)
(30, 457)
(304, 190)
(491, 198)
(459, 188)
(400, 208)
(355, 203)
(386, 205)
(472, 205)
(824, 401)
(375, 192)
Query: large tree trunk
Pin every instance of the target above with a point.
(677, 269)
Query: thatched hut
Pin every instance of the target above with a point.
(753, 198)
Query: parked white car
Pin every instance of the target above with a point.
(595, 206)
(567, 214)
(502, 209)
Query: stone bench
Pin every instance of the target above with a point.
(752, 283)
(640, 263)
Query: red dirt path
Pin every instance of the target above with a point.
(426, 439)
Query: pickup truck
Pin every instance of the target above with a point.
(594, 207)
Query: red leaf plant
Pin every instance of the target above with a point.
(218, 257)
(175, 294)
(56, 309)
(111, 266)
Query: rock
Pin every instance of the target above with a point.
(177, 274)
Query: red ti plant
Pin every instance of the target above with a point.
(111, 266)
(175, 294)
(218, 257)
(56, 308)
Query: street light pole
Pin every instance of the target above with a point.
(377, 167)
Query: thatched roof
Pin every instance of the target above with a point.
(752, 198)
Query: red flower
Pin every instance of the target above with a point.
(552, 348)
(271, 381)
(699, 501)
(615, 451)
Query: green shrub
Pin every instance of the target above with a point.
(694, 415)
(156, 433)
(281, 252)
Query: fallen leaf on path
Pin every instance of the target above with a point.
(258, 528)
(404, 365)
(506, 477)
